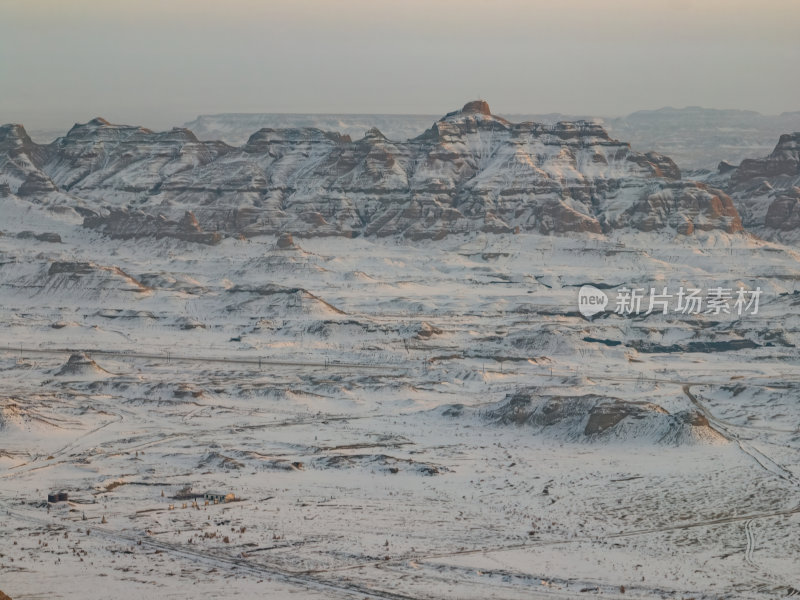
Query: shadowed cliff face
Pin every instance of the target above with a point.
(766, 190)
(783, 161)
(471, 171)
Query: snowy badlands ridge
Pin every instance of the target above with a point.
(399, 414)
(471, 171)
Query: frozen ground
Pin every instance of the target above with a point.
(397, 420)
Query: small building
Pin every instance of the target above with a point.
(219, 497)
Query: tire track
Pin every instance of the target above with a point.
(234, 564)
(751, 543)
(762, 459)
(169, 357)
(540, 543)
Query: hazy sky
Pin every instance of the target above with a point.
(162, 62)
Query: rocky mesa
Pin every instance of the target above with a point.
(471, 171)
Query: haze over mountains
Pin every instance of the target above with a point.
(699, 138)
(694, 137)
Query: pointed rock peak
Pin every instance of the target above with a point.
(13, 131)
(189, 222)
(12, 128)
(788, 141)
(177, 134)
(84, 128)
(80, 364)
(477, 106)
(99, 128)
(374, 134)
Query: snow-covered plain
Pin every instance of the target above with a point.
(396, 419)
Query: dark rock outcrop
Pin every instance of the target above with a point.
(766, 191)
(593, 418)
(783, 161)
(21, 162)
(49, 237)
(123, 224)
(285, 242)
(784, 212)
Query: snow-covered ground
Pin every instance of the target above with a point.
(395, 419)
